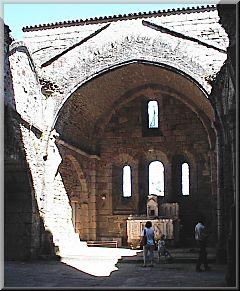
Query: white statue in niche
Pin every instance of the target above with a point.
(152, 206)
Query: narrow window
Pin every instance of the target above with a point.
(153, 114)
(127, 186)
(156, 178)
(185, 179)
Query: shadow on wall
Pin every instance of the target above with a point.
(24, 234)
(48, 250)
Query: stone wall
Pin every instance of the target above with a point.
(79, 53)
(223, 99)
(78, 174)
(22, 238)
(43, 75)
(28, 185)
(123, 143)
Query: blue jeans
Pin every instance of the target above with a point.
(148, 249)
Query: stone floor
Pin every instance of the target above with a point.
(113, 268)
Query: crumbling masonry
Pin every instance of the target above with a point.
(76, 95)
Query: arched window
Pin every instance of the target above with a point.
(185, 179)
(152, 114)
(127, 185)
(156, 178)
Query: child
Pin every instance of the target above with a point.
(162, 250)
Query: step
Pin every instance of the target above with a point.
(179, 256)
(175, 260)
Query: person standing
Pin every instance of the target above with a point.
(201, 239)
(150, 245)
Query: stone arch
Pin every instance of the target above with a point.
(141, 66)
(139, 45)
(79, 171)
(118, 65)
(189, 157)
(196, 99)
(159, 154)
(153, 154)
(124, 158)
(78, 198)
(203, 108)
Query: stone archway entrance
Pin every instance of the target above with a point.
(116, 125)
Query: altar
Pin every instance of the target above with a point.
(165, 220)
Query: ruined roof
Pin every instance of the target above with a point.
(120, 17)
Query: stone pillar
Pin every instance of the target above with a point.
(92, 203)
(143, 187)
(169, 193)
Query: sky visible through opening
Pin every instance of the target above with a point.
(152, 114)
(19, 15)
(185, 179)
(156, 178)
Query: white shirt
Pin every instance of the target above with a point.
(200, 231)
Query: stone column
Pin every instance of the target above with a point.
(169, 194)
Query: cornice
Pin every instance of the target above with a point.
(98, 20)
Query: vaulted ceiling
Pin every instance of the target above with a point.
(85, 114)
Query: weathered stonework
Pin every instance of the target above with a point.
(124, 42)
(223, 99)
(76, 101)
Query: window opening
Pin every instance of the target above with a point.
(156, 178)
(185, 179)
(153, 114)
(127, 186)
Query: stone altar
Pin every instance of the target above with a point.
(166, 223)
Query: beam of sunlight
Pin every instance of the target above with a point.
(98, 261)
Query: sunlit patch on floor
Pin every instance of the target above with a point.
(96, 261)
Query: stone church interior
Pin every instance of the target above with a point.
(113, 121)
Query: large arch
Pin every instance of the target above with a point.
(76, 187)
(88, 111)
(128, 82)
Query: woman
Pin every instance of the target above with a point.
(149, 247)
